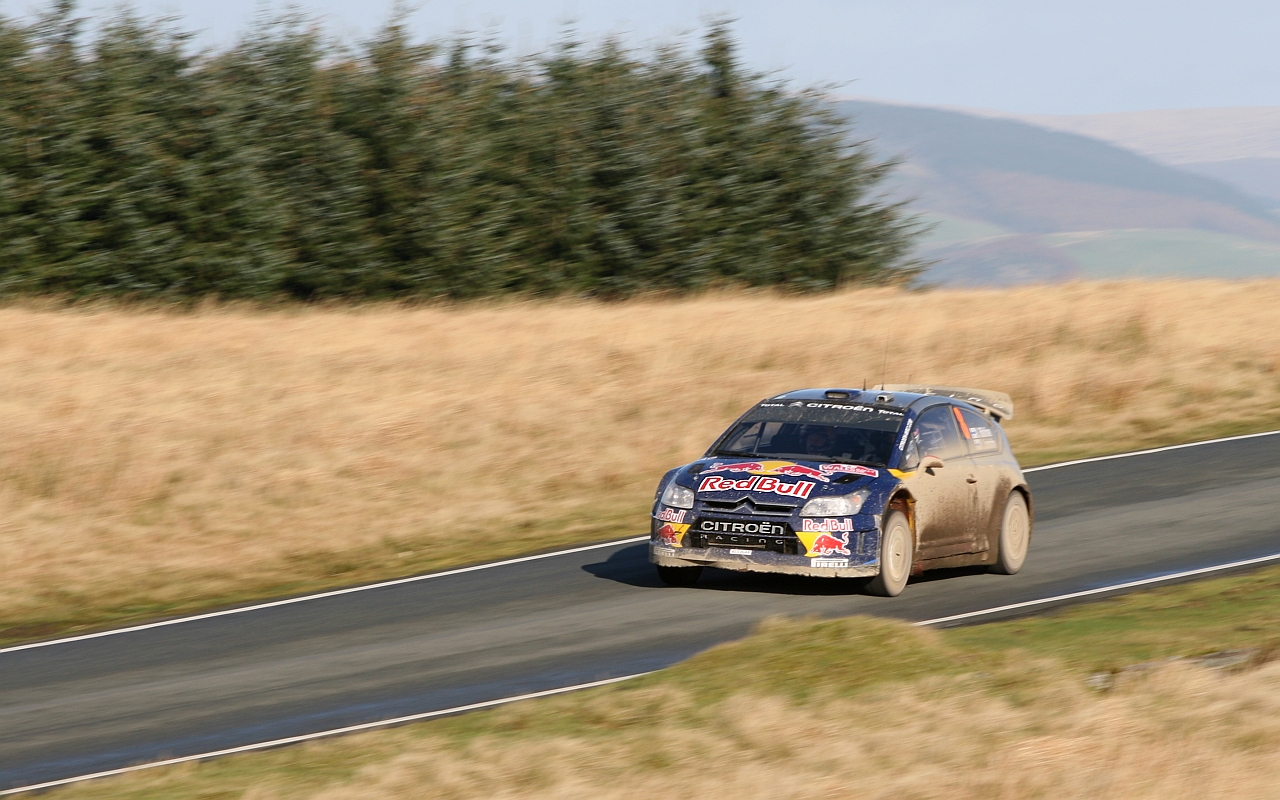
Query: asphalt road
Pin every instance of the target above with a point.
(93, 705)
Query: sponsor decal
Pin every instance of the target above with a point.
(831, 563)
(983, 439)
(788, 468)
(672, 534)
(664, 551)
(838, 407)
(800, 471)
(825, 543)
(757, 528)
(827, 525)
(739, 552)
(849, 469)
(793, 470)
(756, 483)
(671, 515)
(906, 429)
(741, 466)
(828, 545)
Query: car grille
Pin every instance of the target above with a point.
(748, 506)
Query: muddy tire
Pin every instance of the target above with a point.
(679, 576)
(1015, 536)
(897, 552)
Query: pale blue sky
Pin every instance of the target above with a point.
(1026, 56)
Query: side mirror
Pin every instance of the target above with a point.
(931, 463)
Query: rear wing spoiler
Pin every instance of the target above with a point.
(998, 405)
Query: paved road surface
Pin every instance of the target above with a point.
(82, 707)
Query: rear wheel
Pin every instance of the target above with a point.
(1015, 536)
(897, 550)
(679, 576)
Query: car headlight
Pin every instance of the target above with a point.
(677, 496)
(844, 505)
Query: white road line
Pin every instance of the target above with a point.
(1152, 450)
(549, 692)
(322, 734)
(1102, 590)
(491, 565)
(308, 597)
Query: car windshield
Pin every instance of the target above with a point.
(814, 431)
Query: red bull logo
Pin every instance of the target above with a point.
(671, 515)
(787, 468)
(671, 534)
(826, 525)
(829, 545)
(741, 466)
(790, 469)
(756, 483)
(800, 471)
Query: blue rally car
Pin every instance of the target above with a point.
(878, 484)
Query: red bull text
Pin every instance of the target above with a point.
(671, 515)
(756, 483)
(826, 525)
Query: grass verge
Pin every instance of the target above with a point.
(157, 462)
(821, 708)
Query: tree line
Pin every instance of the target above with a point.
(132, 164)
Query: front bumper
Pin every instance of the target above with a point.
(855, 566)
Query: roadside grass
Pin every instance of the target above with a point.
(821, 708)
(158, 461)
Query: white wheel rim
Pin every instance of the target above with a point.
(896, 556)
(1016, 532)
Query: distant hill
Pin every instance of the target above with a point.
(1259, 177)
(1001, 188)
(1239, 146)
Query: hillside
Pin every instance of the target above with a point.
(1238, 146)
(996, 188)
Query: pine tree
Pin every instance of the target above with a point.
(286, 166)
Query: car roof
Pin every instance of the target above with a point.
(997, 406)
(899, 400)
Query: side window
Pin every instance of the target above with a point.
(755, 437)
(983, 438)
(910, 453)
(938, 435)
(746, 440)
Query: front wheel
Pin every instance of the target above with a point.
(1015, 536)
(897, 551)
(679, 576)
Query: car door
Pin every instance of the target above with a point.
(946, 500)
(986, 450)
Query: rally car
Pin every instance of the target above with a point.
(877, 484)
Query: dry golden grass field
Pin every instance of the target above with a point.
(159, 460)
